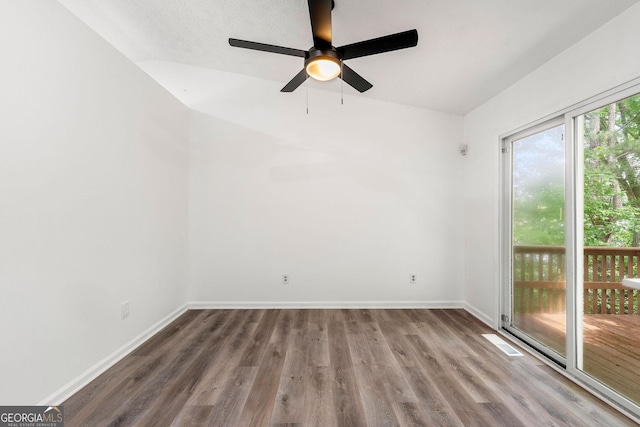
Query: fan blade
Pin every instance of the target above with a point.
(379, 45)
(354, 79)
(320, 14)
(267, 48)
(295, 82)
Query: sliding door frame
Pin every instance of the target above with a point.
(506, 317)
(574, 236)
(574, 118)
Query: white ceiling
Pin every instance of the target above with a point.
(468, 50)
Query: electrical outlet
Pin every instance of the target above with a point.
(124, 310)
(413, 278)
(285, 279)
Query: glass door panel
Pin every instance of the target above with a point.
(538, 286)
(611, 232)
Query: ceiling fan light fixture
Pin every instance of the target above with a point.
(325, 62)
(323, 65)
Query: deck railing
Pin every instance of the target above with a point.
(539, 279)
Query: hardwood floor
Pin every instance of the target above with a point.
(331, 368)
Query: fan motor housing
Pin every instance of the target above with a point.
(315, 54)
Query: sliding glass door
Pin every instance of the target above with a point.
(571, 235)
(609, 139)
(537, 294)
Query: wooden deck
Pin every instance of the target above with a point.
(611, 346)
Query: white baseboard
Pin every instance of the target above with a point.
(203, 305)
(93, 372)
(480, 315)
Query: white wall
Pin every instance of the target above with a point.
(347, 200)
(601, 61)
(93, 200)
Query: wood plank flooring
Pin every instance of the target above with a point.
(331, 368)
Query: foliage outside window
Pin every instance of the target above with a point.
(612, 174)
(611, 182)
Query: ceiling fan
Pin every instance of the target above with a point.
(325, 62)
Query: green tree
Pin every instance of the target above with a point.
(539, 220)
(538, 189)
(611, 174)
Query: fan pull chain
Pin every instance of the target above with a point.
(306, 85)
(341, 83)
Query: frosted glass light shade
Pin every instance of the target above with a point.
(323, 69)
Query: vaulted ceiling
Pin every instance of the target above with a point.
(468, 50)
